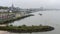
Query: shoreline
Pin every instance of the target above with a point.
(26, 29)
(15, 19)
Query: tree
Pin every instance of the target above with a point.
(1, 7)
(24, 25)
(40, 25)
(11, 25)
(19, 26)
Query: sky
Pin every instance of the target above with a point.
(54, 4)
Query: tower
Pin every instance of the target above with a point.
(11, 9)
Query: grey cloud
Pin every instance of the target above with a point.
(32, 3)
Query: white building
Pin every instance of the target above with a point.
(3, 10)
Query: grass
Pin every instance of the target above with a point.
(25, 29)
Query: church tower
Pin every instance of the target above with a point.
(11, 9)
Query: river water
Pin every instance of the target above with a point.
(51, 18)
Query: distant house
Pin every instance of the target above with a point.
(6, 16)
(3, 10)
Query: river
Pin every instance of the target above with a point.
(51, 18)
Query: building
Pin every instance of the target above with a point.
(3, 10)
(14, 9)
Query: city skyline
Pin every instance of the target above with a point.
(31, 3)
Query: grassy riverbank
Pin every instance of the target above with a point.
(14, 19)
(26, 29)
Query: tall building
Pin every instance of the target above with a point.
(14, 9)
(11, 9)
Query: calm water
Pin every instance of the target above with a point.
(51, 18)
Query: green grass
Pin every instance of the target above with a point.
(25, 28)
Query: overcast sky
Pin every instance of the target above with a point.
(31, 3)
